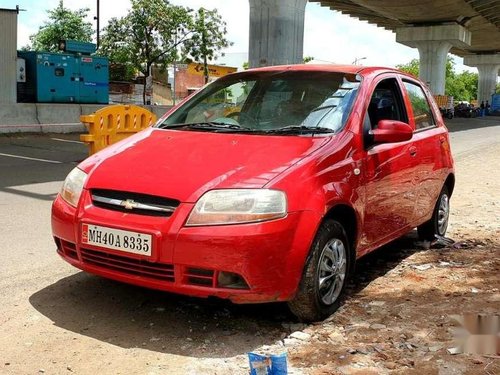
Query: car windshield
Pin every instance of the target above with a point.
(285, 102)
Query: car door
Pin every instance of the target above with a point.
(428, 139)
(387, 169)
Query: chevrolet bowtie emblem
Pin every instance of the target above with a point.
(129, 204)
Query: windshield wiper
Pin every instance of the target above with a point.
(300, 129)
(207, 126)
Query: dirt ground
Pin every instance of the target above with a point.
(397, 318)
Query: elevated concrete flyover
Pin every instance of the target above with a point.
(480, 17)
(465, 28)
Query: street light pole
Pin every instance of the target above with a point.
(358, 59)
(175, 68)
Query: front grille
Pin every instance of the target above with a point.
(129, 266)
(199, 276)
(67, 248)
(140, 204)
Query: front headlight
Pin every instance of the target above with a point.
(73, 186)
(236, 206)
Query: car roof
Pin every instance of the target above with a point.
(353, 69)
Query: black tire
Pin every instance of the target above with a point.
(438, 224)
(309, 301)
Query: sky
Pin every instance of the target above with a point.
(329, 36)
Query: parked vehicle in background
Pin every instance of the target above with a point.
(315, 167)
(448, 113)
(464, 109)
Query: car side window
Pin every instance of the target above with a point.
(386, 103)
(421, 110)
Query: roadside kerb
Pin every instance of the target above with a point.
(52, 117)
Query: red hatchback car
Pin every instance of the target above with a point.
(266, 185)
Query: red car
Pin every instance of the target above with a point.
(266, 185)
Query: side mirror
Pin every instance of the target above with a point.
(390, 131)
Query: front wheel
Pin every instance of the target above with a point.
(325, 274)
(438, 224)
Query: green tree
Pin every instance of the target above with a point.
(149, 34)
(413, 67)
(63, 24)
(208, 37)
(462, 86)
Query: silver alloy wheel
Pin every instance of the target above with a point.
(332, 271)
(443, 214)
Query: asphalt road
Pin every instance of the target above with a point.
(32, 168)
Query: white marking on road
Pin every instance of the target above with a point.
(66, 140)
(28, 158)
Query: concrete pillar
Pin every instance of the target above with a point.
(434, 43)
(276, 32)
(8, 56)
(433, 56)
(488, 67)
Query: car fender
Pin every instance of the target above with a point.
(321, 205)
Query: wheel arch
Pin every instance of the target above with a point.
(346, 216)
(450, 183)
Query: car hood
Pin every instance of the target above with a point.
(183, 165)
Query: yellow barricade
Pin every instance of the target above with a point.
(114, 123)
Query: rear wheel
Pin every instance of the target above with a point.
(438, 224)
(323, 281)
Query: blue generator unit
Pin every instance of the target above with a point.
(64, 77)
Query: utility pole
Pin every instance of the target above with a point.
(97, 18)
(175, 67)
(204, 45)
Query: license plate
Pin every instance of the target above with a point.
(117, 239)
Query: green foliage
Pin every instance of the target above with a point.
(306, 59)
(246, 65)
(153, 29)
(413, 67)
(121, 72)
(63, 24)
(207, 39)
(462, 86)
(147, 35)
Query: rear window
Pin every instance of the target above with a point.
(422, 113)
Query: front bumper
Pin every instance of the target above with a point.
(268, 256)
